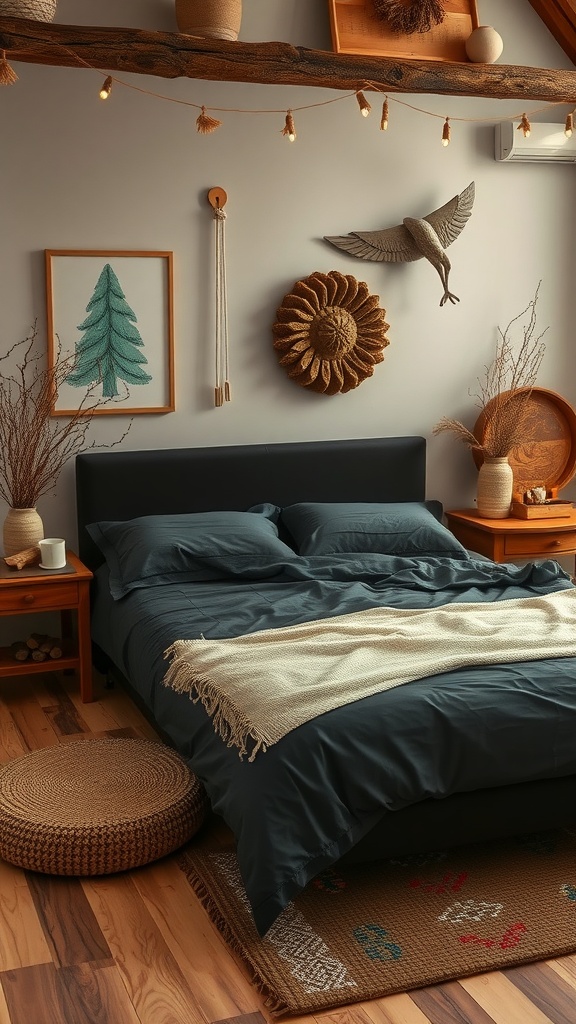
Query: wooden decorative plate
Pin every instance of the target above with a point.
(357, 29)
(548, 456)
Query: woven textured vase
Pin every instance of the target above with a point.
(494, 491)
(209, 19)
(23, 528)
(37, 10)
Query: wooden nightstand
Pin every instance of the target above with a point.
(64, 590)
(509, 540)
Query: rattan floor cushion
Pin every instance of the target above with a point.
(97, 806)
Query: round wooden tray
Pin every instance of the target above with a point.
(548, 455)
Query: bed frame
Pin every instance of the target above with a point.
(122, 485)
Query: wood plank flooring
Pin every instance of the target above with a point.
(137, 948)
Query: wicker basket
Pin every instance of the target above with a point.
(36, 10)
(209, 19)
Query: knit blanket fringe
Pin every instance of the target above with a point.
(260, 686)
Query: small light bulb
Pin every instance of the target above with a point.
(445, 142)
(365, 112)
(106, 88)
(291, 137)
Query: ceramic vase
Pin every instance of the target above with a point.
(36, 10)
(209, 19)
(23, 528)
(494, 491)
(484, 45)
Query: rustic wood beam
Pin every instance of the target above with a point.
(560, 17)
(173, 55)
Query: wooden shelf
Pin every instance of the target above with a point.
(173, 55)
(10, 667)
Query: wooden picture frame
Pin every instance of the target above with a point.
(110, 313)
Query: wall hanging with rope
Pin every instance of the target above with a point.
(217, 198)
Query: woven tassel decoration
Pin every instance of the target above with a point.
(525, 126)
(289, 128)
(206, 124)
(363, 103)
(569, 126)
(7, 74)
(446, 132)
(384, 118)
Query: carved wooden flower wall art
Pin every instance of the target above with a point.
(330, 332)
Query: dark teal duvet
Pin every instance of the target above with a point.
(306, 801)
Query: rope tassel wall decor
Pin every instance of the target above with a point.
(217, 198)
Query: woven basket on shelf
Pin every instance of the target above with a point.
(209, 19)
(36, 10)
(97, 806)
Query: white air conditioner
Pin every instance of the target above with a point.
(546, 143)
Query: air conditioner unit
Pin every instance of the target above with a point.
(546, 143)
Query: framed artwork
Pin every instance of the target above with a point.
(110, 319)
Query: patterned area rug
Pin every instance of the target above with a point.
(360, 933)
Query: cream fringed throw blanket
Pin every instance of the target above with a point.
(261, 686)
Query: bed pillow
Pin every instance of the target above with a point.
(200, 546)
(410, 528)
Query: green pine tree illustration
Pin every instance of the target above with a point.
(109, 349)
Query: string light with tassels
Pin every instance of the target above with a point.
(206, 123)
(7, 74)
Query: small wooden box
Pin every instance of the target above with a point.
(554, 510)
(356, 29)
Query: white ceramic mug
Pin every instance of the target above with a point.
(52, 553)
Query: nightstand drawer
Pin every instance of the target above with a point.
(28, 598)
(540, 544)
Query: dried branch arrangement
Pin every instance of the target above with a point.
(35, 446)
(504, 392)
(408, 16)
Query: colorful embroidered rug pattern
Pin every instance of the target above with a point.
(359, 933)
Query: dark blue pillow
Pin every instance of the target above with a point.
(410, 528)
(199, 546)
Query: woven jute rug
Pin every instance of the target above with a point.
(359, 933)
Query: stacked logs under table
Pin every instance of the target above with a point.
(32, 590)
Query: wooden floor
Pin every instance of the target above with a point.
(137, 948)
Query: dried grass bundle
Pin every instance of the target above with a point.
(34, 445)
(506, 389)
(408, 16)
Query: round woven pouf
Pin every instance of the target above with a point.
(97, 806)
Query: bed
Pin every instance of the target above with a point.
(474, 752)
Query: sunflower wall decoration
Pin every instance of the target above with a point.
(330, 332)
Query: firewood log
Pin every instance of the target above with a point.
(36, 639)
(51, 646)
(30, 556)
(38, 655)
(19, 650)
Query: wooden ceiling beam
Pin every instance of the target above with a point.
(559, 16)
(173, 55)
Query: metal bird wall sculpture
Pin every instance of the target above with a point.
(413, 238)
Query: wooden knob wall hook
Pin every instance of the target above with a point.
(217, 198)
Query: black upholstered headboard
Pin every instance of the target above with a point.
(121, 485)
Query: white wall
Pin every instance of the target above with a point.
(133, 173)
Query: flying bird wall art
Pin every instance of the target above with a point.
(413, 238)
